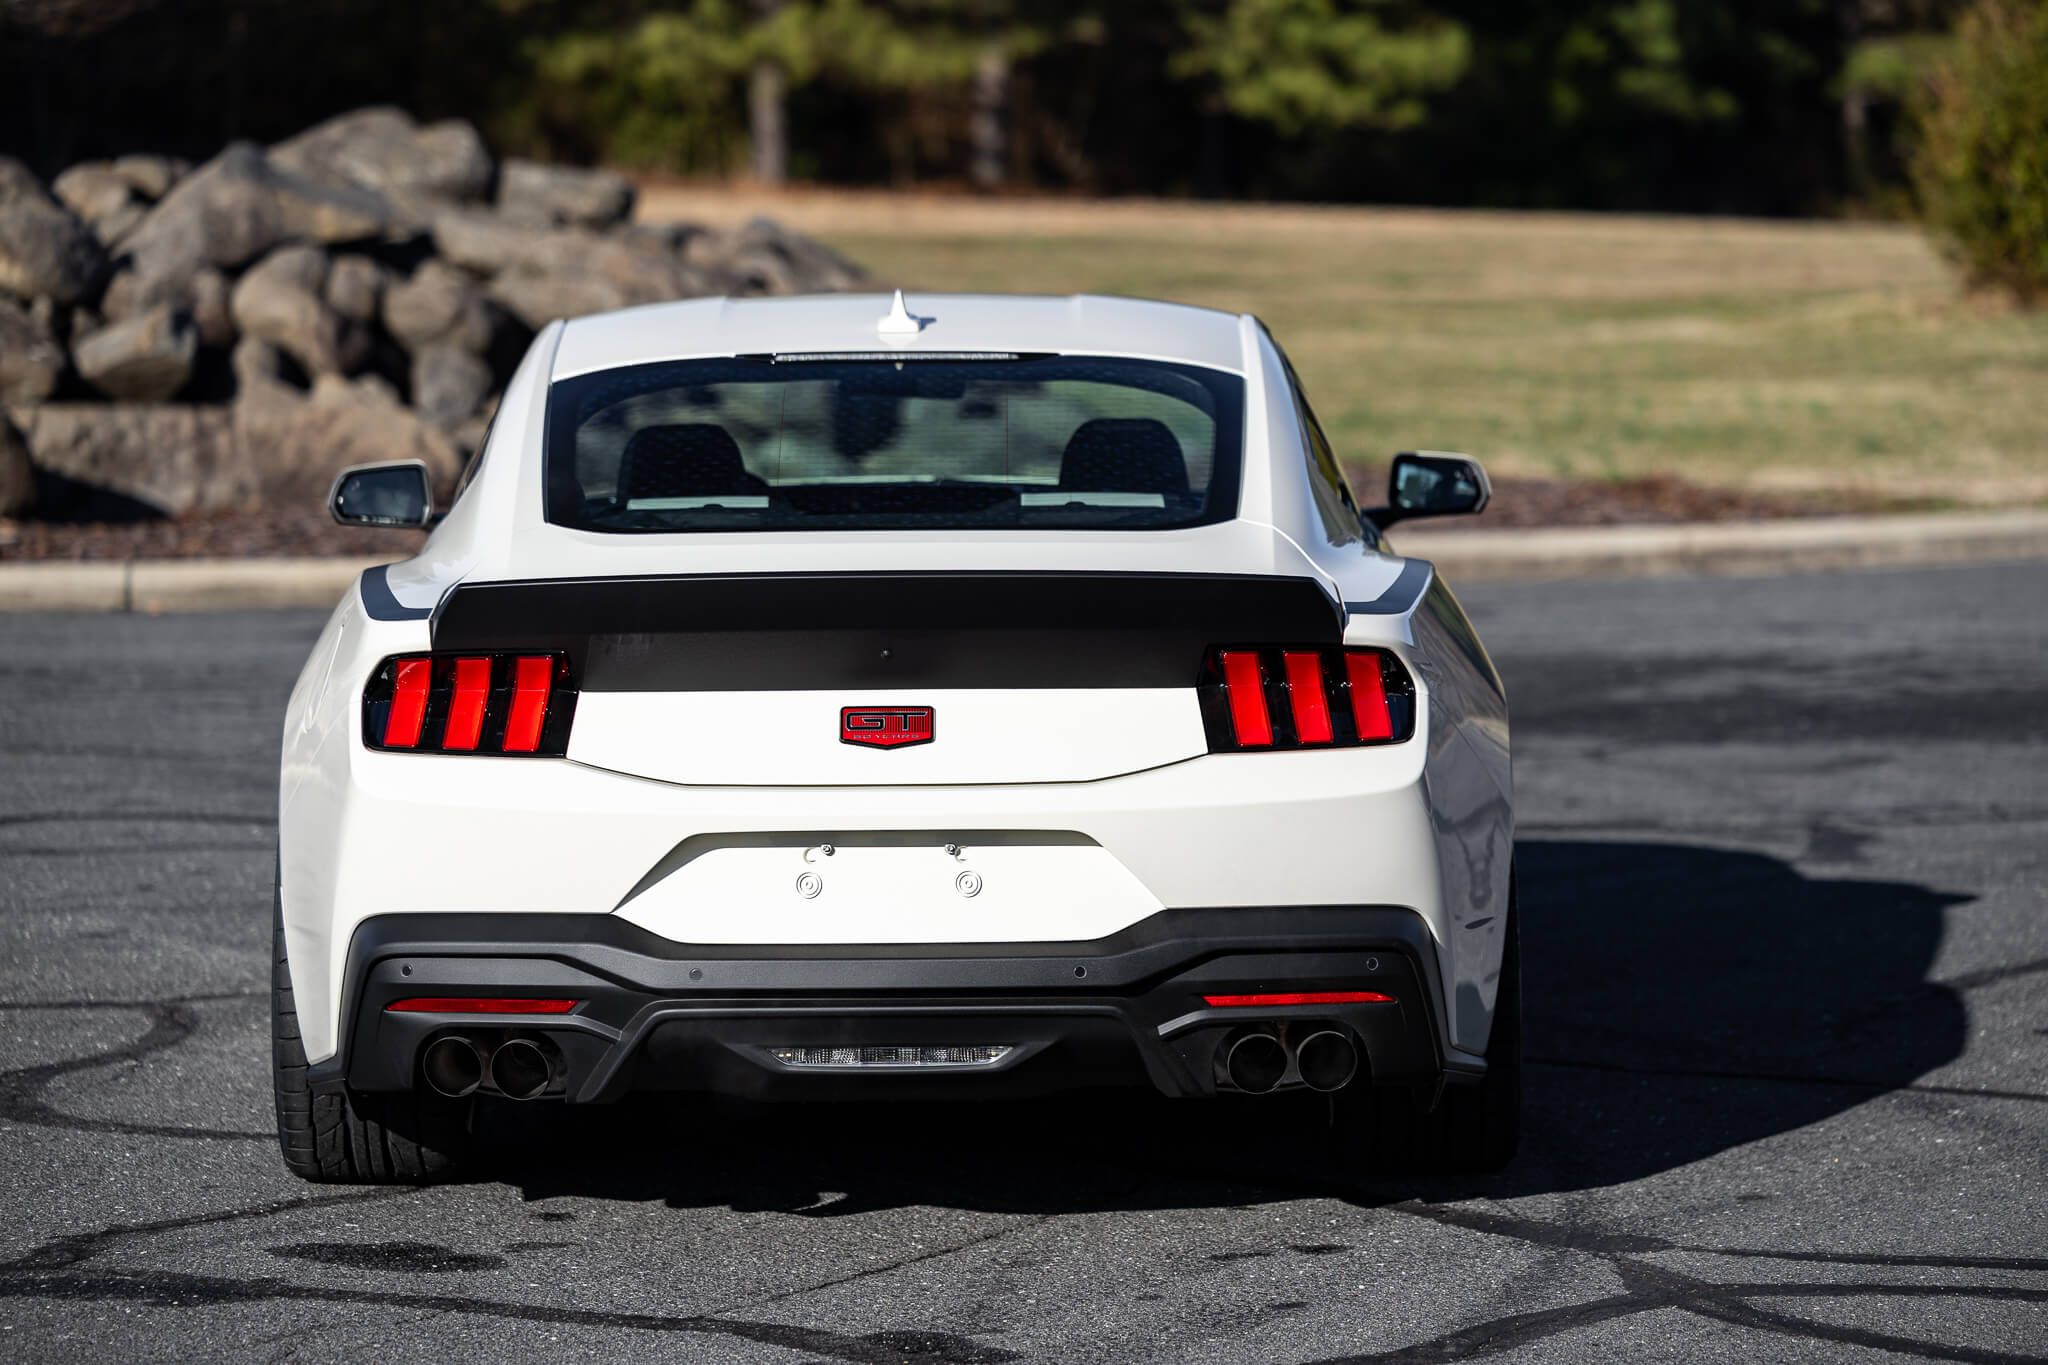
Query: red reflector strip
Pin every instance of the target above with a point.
(466, 711)
(532, 678)
(408, 703)
(1300, 998)
(458, 1004)
(1368, 695)
(1305, 692)
(1247, 693)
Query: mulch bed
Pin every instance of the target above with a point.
(242, 534)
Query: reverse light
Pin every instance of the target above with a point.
(1275, 999)
(470, 703)
(464, 1004)
(1305, 698)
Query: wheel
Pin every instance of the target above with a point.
(350, 1139)
(1470, 1128)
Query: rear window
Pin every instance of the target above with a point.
(779, 444)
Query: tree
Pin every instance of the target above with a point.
(1982, 166)
(1300, 65)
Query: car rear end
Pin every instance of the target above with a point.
(787, 761)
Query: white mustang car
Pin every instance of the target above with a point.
(818, 698)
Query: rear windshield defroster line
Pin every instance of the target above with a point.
(859, 443)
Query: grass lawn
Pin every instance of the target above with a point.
(1797, 357)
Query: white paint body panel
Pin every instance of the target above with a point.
(792, 738)
(698, 832)
(1024, 887)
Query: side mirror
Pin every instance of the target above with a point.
(1432, 483)
(396, 494)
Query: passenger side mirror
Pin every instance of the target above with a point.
(1432, 483)
(396, 494)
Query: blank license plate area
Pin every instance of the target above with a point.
(1005, 889)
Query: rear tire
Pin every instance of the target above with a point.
(347, 1138)
(1470, 1129)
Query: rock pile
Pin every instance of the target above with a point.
(194, 338)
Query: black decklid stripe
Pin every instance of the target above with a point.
(779, 632)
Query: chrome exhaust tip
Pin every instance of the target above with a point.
(1327, 1060)
(453, 1066)
(1255, 1062)
(520, 1069)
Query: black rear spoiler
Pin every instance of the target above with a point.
(782, 632)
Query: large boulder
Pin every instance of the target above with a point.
(105, 200)
(177, 458)
(31, 360)
(227, 213)
(211, 310)
(540, 274)
(383, 149)
(17, 474)
(449, 384)
(280, 301)
(293, 450)
(548, 196)
(45, 249)
(144, 359)
(150, 176)
(355, 288)
(538, 297)
(439, 303)
(765, 257)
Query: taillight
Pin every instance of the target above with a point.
(470, 703)
(1285, 698)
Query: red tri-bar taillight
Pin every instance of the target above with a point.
(1305, 698)
(1245, 687)
(520, 704)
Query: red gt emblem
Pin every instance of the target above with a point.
(885, 727)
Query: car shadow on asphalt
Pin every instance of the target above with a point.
(1680, 1001)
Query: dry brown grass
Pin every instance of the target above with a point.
(1763, 355)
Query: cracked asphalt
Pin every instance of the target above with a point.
(1783, 853)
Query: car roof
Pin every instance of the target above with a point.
(1083, 324)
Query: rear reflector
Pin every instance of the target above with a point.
(1279, 998)
(471, 704)
(1304, 698)
(1246, 688)
(463, 1004)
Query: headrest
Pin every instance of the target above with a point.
(1123, 455)
(696, 459)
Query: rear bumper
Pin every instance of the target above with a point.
(656, 1014)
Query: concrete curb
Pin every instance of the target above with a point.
(1756, 548)
(160, 585)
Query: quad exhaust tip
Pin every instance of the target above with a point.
(453, 1066)
(1255, 1062)
(520, 1070)
(1327, 1060)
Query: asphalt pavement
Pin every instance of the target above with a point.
(1783, 858)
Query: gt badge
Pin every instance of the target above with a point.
(885, 727)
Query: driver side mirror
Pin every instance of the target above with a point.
(1432, 483)
(396, 494)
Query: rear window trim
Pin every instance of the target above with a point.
(1223, 497)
